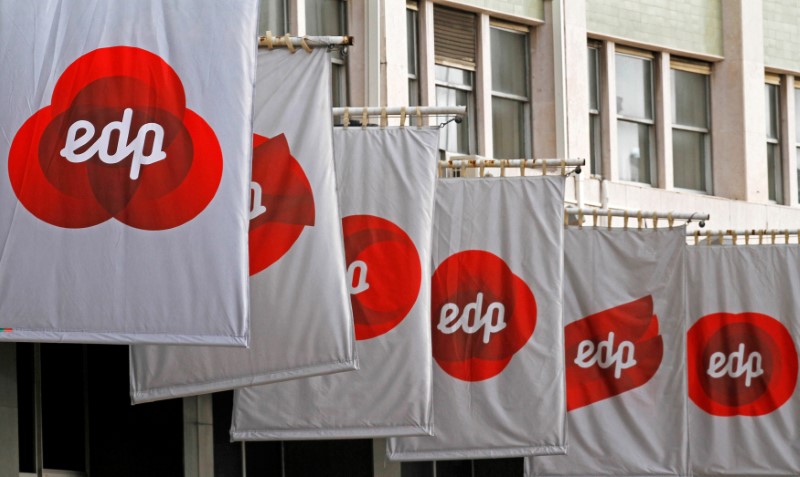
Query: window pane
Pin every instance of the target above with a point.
(125, 440)
(63, 407)
(690, 103)
(797, 155)
(272, 17)
(27, 408)
(338, 85)
(594, 151)
(454, 137)
(594, 102)
(413, 48)
(413, 92)
(689, 152)
(325, 17)
(491, 467)
(634, 144)
(454, 468)
(339, 458)
(771, 95)
(797, 113)
(416, 469)
(775, 173)
(509, 62)
(450, 75)
(508, 128)
(634, 87)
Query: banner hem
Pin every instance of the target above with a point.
(344, 433)
(497, 453)
(186, 390)
(88, 337)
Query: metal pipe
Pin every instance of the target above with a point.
(478, 161)
(355, 112)
(632, 214)
(311, 41)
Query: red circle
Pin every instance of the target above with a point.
(393, 273)
(463, 281)
(728, 395)
(287, 196)
(101, 87)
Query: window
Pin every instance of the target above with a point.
(691, 136)
(412, 34)
(75, 415)
(454, 87)
(508, 467)
(594, 111)
(797, 135)
(329, 18)
(272, 17)
(635, 135)
(510, 100)
(774, 166)
(454, 48)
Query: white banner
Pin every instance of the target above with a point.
(124, 172)
(742, 360)
(386, 181)
(301, 319)
(495, 321)
(624, 311)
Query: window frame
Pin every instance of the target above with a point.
(649, 122)
(595, 119)
(688, 66)
(797, 136)
(469, 118)
(776, 179)
(525, 101)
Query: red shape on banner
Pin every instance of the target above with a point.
(481, 315)
(611, 352)
(383, 272)
(282, 202)
(740, 364)
(117, 141)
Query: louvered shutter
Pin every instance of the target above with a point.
(454, 37)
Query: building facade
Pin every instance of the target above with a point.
(685, 106)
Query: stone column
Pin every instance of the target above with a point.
(198, 436)
(737, 106)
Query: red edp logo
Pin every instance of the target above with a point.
(481, 315)
(281, 202)
(611, 352)
(117, 141)
(740, 364)
(383, 273)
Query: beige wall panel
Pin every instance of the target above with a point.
(687, 25)
(533, 9)
(781, 42)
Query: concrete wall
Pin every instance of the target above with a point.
(781, 42)
(533, 9)
(687, 25)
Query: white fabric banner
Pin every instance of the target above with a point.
(386, 180)
(742, 362)
(123, 191)
(624, 314)
(301, 319)
(495, 321)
